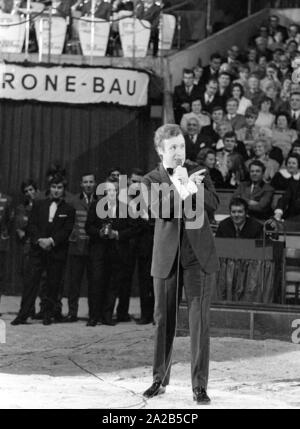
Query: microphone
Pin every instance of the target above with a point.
(179, 162)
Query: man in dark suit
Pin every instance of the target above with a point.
(239, 225)
(209, 98)
(79, 260)
(236, 120)
(211, 71)
(110, 254)
(292, 107)
(184, 94)
(192, 242)
(50, 224)
(195, 140)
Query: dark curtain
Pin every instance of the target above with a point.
(245, 281)
(82, 138)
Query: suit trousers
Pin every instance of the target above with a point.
(39, 262)
(78, 264)
(198, 286)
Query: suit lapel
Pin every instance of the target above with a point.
(164, 175)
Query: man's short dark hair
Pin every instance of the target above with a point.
(213, 80)
(230, 135)
(217, 108)
(215, 55)
(58, 178)
(257, 163)
(112, 169)
(26, 183)
(137, 171)
(88, 174)
(238, 201)
(55, 168)
(188, 71)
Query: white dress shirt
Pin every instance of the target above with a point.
(52, 211)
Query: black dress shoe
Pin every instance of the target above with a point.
(91, 322)
(108, 322)
(38, 316)
(144, 321)
(18, 321)
(125, 318)
(70, 319)
(47, 321)
(154, 390)
(200, 396)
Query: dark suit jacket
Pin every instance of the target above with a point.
(262, 193)
(192, 149)
(166, 232)
(251, 229)
(289, 203)
(59, 229)
(207, 75)
(237, 122)
(208, 107)
(180, 96)
(127, 228)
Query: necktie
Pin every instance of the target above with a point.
(170, 171)
(237, 232)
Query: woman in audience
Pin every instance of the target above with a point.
(207, 158)
(286, 90)
(250, 132)
(252, 60)
(265, 118)
(237, 92)
(196, 111)
(283, 136)
(244, 72)
(273, 93)
(261, 154)
(285, 175)
(237, 171)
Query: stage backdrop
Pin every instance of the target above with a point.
(83, 138)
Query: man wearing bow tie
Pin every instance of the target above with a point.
(50, 224)
(181, 247)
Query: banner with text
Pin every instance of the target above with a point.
(79, 85)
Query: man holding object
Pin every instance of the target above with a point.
(177, 238)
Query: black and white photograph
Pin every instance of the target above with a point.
(149, 208)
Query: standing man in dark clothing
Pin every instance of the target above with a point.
(79, 260)
(110, 255)
(50, 224)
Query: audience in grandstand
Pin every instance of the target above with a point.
(196, 111)
(239, 224)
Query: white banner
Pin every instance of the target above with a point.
(12, 37)
(80, 85)
(58, 34)
(167, 30)
(135, 35)
(101, 34)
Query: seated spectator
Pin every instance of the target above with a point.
(210, 99)
(293, 33)
(285, 175)
(273, 93)
(285, 92)
(236, 120)
(211, 71)
(239, 224)
(237, 171)
(152, 14)
(277, 53)
(243, 76)
(262, 67)
(249, 134)
(237, 92)
(184, 94)
(288, 207)
(207, 158)
(256, 192)
(103, 9)
(296, 147)
(285, 70)
(292, 49)
(195, 140)
(198, 72)
(261, 154)
(261, 44)
(224, 81)
(196, 111)
(271, 76)
(283, 136)
(265, 117)
(254, 93)
(233, 60)
(292, 107)
(230, 146)
(217, 117)
(274, 27)
(252, 60)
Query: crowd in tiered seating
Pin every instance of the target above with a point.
(241, 119)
